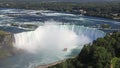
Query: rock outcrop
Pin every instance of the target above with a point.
(6, 44)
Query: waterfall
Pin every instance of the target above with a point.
(52, 37)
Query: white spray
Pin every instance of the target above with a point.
(53, 38)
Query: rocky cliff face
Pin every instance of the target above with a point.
(6, 44)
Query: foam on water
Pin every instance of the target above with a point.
(54, 38)
(57, 14)
(46, 44)
(46, 36)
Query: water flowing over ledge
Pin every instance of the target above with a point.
(59, 35)
(49, 41)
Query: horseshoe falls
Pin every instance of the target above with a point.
(43, 37)
(56, 36)
(46, 44)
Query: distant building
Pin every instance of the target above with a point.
(82, 11)
(7, 4)
(115, 14)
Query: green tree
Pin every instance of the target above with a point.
(101, 57)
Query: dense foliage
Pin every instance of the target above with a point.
(103, 53)
(116, 62)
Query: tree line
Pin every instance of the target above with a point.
(103, 53)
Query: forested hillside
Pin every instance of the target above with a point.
(103, 53)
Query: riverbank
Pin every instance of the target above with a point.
(98, 55)
(105, 10)
(106, 17)
(54, 63)
(49, 65)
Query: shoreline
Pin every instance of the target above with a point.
(111, 18)
(51, 64)
(54, 63)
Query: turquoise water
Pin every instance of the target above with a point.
(37, 17)
(67, 25)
